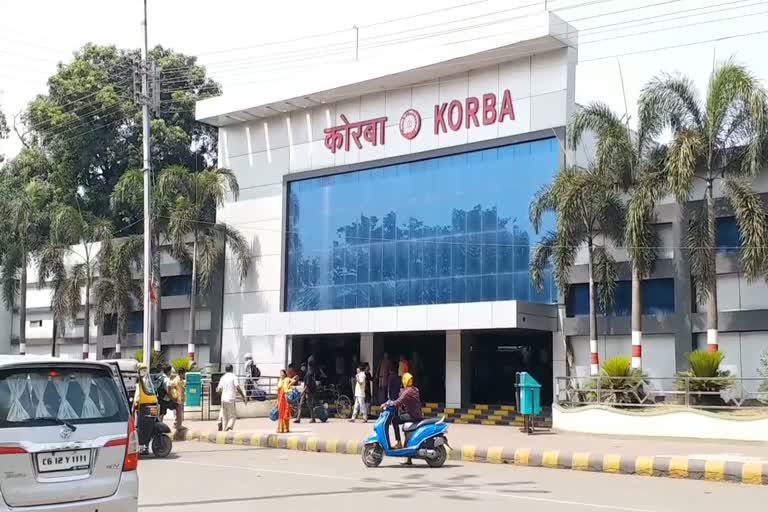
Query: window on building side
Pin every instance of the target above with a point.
(658, 297)
(35, 323)
(449, 229)
(176, 285)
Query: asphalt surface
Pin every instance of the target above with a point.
(205, 477)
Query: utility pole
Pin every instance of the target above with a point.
(357, 42)
(147, 345)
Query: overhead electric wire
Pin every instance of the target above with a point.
(194, 87)
(313, 53)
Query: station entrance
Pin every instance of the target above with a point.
(336, 356)
(493, 358)
(425, 356)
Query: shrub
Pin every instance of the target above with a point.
(619, 382)
(155, 360)
(182, 363)
(704, 378)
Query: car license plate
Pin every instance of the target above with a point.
(70, 460)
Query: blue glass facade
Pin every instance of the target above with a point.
(448, 229)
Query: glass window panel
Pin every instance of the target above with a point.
(439, 230)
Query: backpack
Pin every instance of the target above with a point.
(251, 370)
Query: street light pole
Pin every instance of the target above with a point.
(147, 342)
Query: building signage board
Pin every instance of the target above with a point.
(449, 116)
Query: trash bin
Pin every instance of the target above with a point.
(215, 397)
(194, 389)
(528, 398)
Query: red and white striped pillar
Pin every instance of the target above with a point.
(191, 351)
(712, 345)
(22, 349)
(117, 351)
(637, 350)
(157, 346)
(594, 367)
(86, 349)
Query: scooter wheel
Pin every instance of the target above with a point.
(372, 455)
(439, 459)
(162, 446)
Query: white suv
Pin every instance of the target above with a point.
(67, 439)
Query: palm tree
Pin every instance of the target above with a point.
(128, 202)
(50, 265)
(716, 141)
(589, 212)
(77, 234)
(636, 163)
(23, 229)
(116, 289)
(192, 218)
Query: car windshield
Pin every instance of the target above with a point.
(75, 395)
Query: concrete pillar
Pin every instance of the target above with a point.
(453, 369)
(366, 348)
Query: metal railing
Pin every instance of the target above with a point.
(697, 392)
(209, 411)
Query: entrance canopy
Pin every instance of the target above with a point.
(434, 317)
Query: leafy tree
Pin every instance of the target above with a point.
(116, 289)
(636, 163)
(23, 231)
(719, 140)
(192, 216)
(588, 213)
(91, 125)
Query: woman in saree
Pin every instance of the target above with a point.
(283, 407)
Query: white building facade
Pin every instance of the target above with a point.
(386, 204)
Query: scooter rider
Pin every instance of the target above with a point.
(410, 400)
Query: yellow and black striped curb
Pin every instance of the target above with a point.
(754, 473)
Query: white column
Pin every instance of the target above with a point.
(453, 369)
(637, 349)
(22, 348)
(157, 346)
(366, 348)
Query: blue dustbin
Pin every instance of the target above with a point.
(194, 389)
(528, 398)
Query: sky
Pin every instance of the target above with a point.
(622, 43)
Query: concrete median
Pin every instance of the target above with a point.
(720, 470)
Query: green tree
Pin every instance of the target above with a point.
(192, 218)
(91, 125)
(116, 289)
(76, 236)
(718, 141)
(589, 213)
(636, 163)
(23, 231)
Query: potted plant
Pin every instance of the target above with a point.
(618, 383)
(704, 380)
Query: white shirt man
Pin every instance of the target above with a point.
(228, 387)
(360, 405)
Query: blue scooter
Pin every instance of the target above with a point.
(423, 440)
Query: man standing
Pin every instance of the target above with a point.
(252, 375)
(179, 382)
(360, 405)
(167, 394)
(228, 387)
(385, 367)
(310, 388)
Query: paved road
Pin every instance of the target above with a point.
(205, 477)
